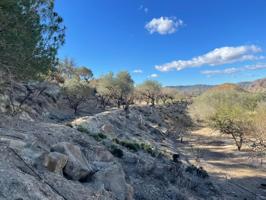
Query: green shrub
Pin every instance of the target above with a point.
(206, 105)
(99, 137)
(134, 146)
(116, 151)
(82, 129)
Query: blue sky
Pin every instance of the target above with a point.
(177, 42)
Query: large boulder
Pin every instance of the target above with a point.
(55, 162)
(77, 167)
(112, 178)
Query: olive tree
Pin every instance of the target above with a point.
(77, 92)
(149, 91)
(168, 94)
(117, 88)
(105, 89)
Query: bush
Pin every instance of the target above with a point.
(206, 105)
(199, 171)
(82, 129)
(116, 151)
(99, 137)
(258, 137)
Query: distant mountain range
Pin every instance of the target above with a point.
(193, 90)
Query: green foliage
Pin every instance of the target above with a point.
(206, 105)
(67, 69)
(30, 34)
(232, 120)
(82, 129)
(136, 146)
(98, 137)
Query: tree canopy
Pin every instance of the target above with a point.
(30, 34)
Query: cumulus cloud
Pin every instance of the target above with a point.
(233, 70)
(218, 56)
(164, 25)
(153, 76)
(138, 71)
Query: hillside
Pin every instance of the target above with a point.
(47, 154)
(226, 87)
(103, 159)
(194, 90)
(257, 86)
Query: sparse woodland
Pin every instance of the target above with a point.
(140, 123)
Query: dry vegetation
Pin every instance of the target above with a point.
(233, 111)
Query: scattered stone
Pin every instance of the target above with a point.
(77, 168)
(107, 128)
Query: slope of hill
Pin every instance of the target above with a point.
(226, 87)
(106, 156)
(257, 86)
(192, 90)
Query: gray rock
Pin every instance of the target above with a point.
(112, 177)
(77, 167)
(55, 162)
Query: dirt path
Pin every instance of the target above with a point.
(236, 174)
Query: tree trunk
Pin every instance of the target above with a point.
(152, 102)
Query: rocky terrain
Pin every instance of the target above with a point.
(48, 153)
(110, 155)
(53, 161)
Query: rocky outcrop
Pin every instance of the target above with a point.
(109, 156)
(36, 162)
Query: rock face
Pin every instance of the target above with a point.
(76, 168)
(81, 165)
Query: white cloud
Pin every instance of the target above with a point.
(138, 71)
(218, 56)
(146, 10)
(164, 25)
(153, 76)
(234, 70)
